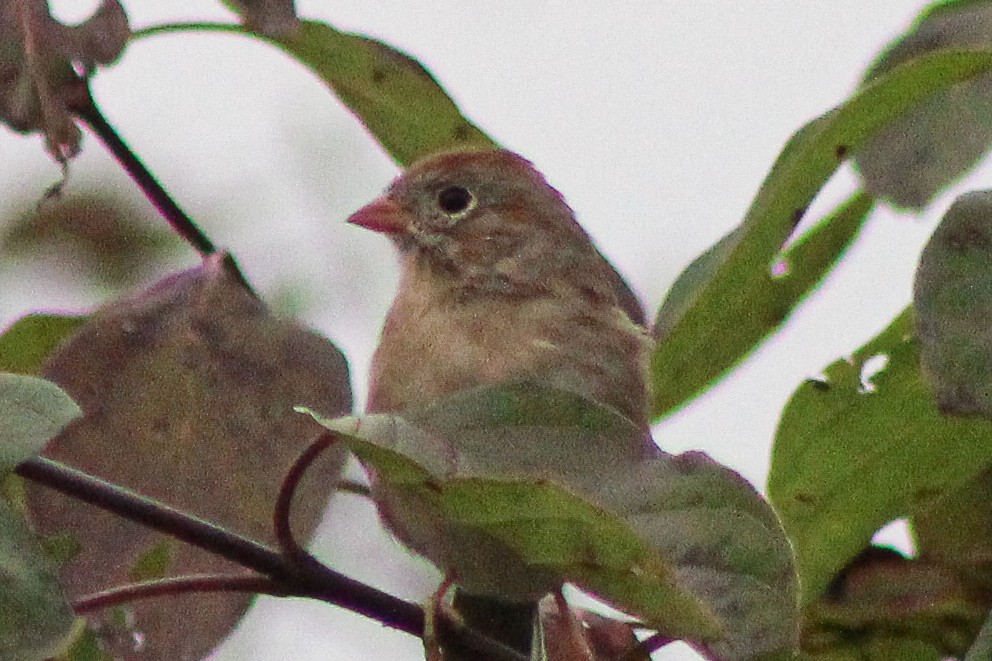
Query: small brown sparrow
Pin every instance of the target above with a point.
(499, 283)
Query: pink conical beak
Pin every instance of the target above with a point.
(382, 215)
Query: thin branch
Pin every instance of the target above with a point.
(318, 582)
(177, 585)
(281, 519)
(86, 109)
(354, 488)
(325, 584)
(194, 26)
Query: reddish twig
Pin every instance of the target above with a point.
(281, 518)
(177, 585)
(319, 583)
(314, 581)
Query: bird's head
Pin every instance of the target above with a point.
(487, 216)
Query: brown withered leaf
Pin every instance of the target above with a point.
(41, 61)
(187, 391)
(881, 595)
(275, 19)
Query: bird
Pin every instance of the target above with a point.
(498, 283)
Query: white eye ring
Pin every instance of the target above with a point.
(455, 201)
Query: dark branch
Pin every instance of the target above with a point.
(316, 581)
(325, 584)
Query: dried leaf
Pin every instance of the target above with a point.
(41, 61)
(580, 635)
(272, 18)
(882, 595)
(187, 391)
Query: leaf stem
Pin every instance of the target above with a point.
(281, 519)
(86, 109)
(193, 26)
(176, 585)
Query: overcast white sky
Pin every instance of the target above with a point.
(656, 119)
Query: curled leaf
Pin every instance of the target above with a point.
(41, 61)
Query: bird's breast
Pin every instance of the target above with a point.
(435, 343)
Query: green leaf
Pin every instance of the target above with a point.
(86, 647)
(911, 160)
(697, 349)
(398, 100)
(771, 296)
(514, 489)
(32, 411)
(37, 620)
(848, 454)
(154, 563)
(26, 343)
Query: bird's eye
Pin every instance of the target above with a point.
(455, 200)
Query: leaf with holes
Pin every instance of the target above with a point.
(848, 453)
(696, 349)
(506, 489)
